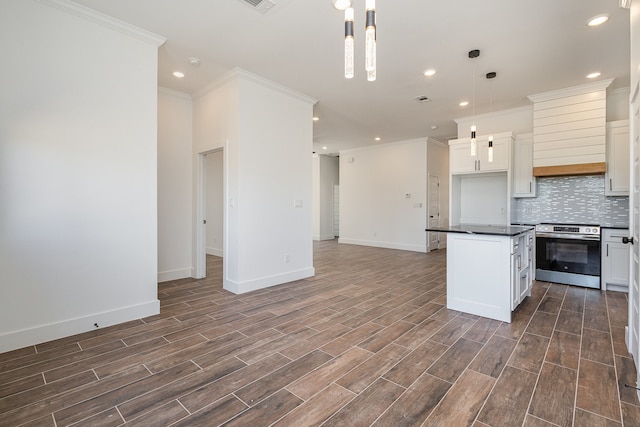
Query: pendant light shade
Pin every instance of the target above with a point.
(348, 42)
(474, 145)
(490, 151)
(370, 36)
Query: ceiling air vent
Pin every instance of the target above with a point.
(260, 5)
(422, 98)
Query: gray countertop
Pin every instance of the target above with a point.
(493, 230)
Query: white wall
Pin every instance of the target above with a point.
(214, 196)
(175, 183)
(78, 196)
(516, 120)
(374, 208)
(325, 176)
(266, 132)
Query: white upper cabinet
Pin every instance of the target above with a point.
(461, 161)
(617, 176)
(524, 183)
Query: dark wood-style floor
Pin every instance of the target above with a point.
(367, 341)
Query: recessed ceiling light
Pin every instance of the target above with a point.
(325, 148)
(430, 72)
(377, 138)
(594, 75)
(597, 20)
(178, 74)
(341, 4)
(315, 119)
(464, 103)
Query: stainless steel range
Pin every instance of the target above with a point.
(569, 254)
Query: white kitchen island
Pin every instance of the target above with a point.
(489, 268)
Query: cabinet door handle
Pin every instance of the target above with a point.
(607, 249)
(529, 186)
(610, 185)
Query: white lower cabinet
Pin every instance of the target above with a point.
(615, 260)
(488, 275)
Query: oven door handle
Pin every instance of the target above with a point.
(595, 237)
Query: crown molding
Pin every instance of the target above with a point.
(173, 92)
(240, 74)
(571, 91)
(105, 21)
(499, 113)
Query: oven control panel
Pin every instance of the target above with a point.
(569, 229)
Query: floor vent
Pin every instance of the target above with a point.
(260, 5)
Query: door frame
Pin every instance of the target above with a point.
(633, 346)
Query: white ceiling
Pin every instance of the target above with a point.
(534, 46)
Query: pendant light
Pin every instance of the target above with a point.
(348, 42)
(474, 146)
(490, 76)
(370, 39)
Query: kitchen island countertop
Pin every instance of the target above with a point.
(492, 230)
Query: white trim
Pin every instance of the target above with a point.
(172, 92)
(215, 252)
(495, 114)
(239, 73)
(325, 237)
(387, 245)
(386, 145)
(180, 273)
(266, 282)
(105, 21)
(52, 331)
(571, 91)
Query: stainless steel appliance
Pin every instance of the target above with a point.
(569, 254)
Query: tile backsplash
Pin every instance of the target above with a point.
(572, 200)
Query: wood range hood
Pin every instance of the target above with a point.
(598, 168)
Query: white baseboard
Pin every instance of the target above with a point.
(325, 237)
(215, 252)
(181, 273)
(387, 245)
(53, 331)
(265, 282)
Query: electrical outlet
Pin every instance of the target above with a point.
(286, 258)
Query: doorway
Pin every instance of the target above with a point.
(210, 212)
(433, 212)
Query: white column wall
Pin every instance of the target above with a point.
(274, 174)
(175, 182)
(266, 133)
(374, 208)
(78, 165)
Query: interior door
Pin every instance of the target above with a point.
(634, 227)
(434, 211)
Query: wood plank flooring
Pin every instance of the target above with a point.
(368, 341)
